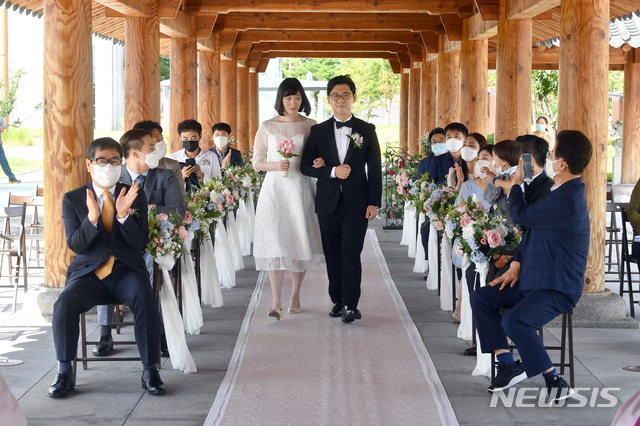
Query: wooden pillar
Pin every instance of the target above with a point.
(142, 69)
(208, 93)
(631, 119)
(513, 77)
(583, 105)
(184, 86)
(428, 88)
(448, 102)
(242, 133)
(228, 92)
(404, 108)
(474, 74)
(413, 116)
(68, 120)
(254, 105)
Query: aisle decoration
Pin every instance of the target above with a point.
(234, 189)
(400, 172)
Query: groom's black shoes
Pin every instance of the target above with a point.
(62, 386)
(349, 314)
(152, 383)
(336, 311)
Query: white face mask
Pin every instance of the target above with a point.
(468, 154)
(220, 141)
(498, 170)
(548, 168)
(161, 148)
(106, 175)
(480, 164)
(454, 145)
(152, 159)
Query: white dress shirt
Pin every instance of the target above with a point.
(342, 141)
(207, 160)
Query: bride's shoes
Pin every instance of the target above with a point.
(293, 310)
(275, 313)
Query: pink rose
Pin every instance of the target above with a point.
(219, 206)
(438, 225)
(183, 232)
(197, 199)
(287, 152)
(235, 194)
(480, 207)
(188, 217)
(398, 179)
(400, 190)
(161, 217)
(494, 239)
(229, 199)
(462, 208)
(158, 249)
(425, 206)
(483, 241)
(131, 211)
(465, 220)
(405, 181)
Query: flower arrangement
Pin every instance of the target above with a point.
(441, 199)
(460, 216)
(166, 238)
(356, 140)
(399, 172)
(485, 235)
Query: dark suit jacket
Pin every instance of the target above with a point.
(234, 160)
(423, 166)
(92, 246)
(538, 188)
(554, 249)
(162, 189)
(440, 165)
(363, 187)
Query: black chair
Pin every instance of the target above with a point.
(626, 260)
(614, 240)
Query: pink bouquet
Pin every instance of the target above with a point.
(287, 149)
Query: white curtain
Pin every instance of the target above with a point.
(446, 296)
(191, 309)
(420, 265)
(209, 276)
(483, 363)
(223, 256)
(405, 231)
(234, 241)
(432, 248)
(410, 225)
(244, 229)
(465, 331)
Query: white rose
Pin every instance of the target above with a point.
(502, 230)
(467, 231)
(214, 196)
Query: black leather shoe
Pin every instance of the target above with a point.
(152, 383)
(348, 314)
(62, 386)
(103, 350)
(336, 311)
(472, 351)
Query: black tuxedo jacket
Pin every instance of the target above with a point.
(162, 189)
(92, 246)
(363, 187)
(538, 188)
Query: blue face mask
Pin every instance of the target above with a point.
(439, 149)
(541, 127)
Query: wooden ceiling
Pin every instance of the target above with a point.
(399, 30)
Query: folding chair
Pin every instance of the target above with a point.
(35, 228)
(16, 251)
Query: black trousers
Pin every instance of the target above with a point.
(342, 241)
(124, 286)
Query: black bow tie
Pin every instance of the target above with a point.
(339, 124)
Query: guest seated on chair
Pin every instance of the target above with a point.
(226, 155)
(435, 147)
(506, 156)
(165, 162)
(548, 280)
(442, 164)
(106, 227)
(161, 189)
(471, 146)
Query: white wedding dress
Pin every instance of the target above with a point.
(286, 233)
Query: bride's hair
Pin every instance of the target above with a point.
(289, 87)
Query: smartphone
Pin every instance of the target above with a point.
(191, 162)
(526, 168)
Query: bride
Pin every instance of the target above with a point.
(287, 234)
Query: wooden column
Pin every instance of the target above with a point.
(448, 102)
(142, 69)
(513, 77)
(208, 91)
(242, 133)
(631, 119)
(583, 104)
(413, 116)
(228, 93)
(184, 86)
(404, 108)
(474, 73)
(254, 105)
(428, 88)
(68, 120)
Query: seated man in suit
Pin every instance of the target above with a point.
(439, 167)
(165, 162)
(549, 278)
(107, 238)
(228, 156)
(161, 189)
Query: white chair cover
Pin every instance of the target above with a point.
(446, 297)
(174, 328)
(405, 231)
(421, 266)
(234, 241)
(223, 256)
(465, 331)
(411, 226)
(483, 363)
(210, 279)
(432, 247)
(191, 309)
(244, 229)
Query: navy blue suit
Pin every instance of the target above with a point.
(128, 282)
(553, 261)
(439, 167)
(423, 165)
(234, 160)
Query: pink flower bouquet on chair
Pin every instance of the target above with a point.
(287, 149)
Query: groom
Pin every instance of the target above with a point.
(349, 190)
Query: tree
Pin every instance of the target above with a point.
(544, 85)
(165, 68)
(7, 104)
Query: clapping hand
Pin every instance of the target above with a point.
(226, 160)
(125, 200)
(92, 205)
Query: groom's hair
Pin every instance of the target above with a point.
(341, 79)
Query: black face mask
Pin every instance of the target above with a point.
(191, 146)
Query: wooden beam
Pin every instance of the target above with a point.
(405, 59)
(430, 40)
(479, 29)
(525, 9)
(428, 87)
(242, 50)
(204, 25)
(168, 8)
(254, 105)
(413, 6)
(207, 44)
(254, 58)
(227, 40)
(395, 66)
(180, 27)
(183, 85)
(133, 8)
(229, 92)
(449, 45)
(338, 54)
(552, 57)
(328, 21)
(262, 65)
(243, 137)
(453, 26)
(488, 9)
(329, 36)
(330, 46)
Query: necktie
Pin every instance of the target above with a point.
(339, 124)
(107, 220)
(140, 181)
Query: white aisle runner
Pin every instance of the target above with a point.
(310, 368)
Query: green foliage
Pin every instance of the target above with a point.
(544, 88)
(21, 136)
(6, 105)
(491, 80)
(322, 69)
(22, 165)
(616, 81)
(165, 68)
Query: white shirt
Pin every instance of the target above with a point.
(527, 183)
(207, 160)
(100, 201)
(342, 141)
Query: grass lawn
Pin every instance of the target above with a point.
(388, 133)
(21, 165)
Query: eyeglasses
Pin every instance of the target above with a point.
(554, 159)
(345, 96)
(101, 161)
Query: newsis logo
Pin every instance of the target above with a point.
(537, 397)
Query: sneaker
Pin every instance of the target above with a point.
(507, 376)
(558, 390)
(14, 181)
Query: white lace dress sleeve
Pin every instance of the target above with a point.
(260, 146)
